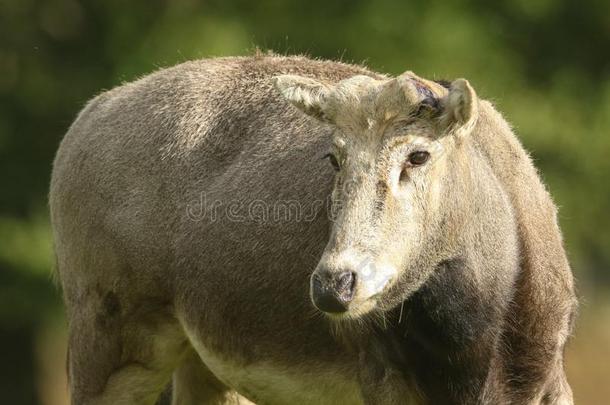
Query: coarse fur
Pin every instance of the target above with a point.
(172, 265)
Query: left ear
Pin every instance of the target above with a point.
(460, 106)
(308, 95)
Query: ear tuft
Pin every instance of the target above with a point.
(461, 106)
(308, 95)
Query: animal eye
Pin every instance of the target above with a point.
(418, 158)
(333, 161)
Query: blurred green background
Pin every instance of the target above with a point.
(545, 63)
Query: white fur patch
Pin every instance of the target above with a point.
(278, 384)
(372, 276)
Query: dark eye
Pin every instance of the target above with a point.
(418, 158)
(333, 161)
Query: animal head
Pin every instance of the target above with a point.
(392, 152)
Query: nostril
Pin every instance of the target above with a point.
(345, 285)
(345, 281)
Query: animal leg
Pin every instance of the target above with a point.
(194, 384)
(121, 359)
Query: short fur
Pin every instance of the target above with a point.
(156, 286)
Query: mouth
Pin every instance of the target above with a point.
(353, 313)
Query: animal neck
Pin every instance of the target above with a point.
(540, 240)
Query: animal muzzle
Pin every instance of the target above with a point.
(332, 291)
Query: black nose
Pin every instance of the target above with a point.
(333, 291)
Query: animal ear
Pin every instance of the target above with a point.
(460, 106)
(308, 95)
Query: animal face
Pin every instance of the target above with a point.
(392, 149)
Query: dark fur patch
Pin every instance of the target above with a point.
(445, 340)
(429, 104)
(111, 304)
(443, 82)
(423, 90)
(382, 191)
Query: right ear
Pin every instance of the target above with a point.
(461, 106)
(308, 95)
